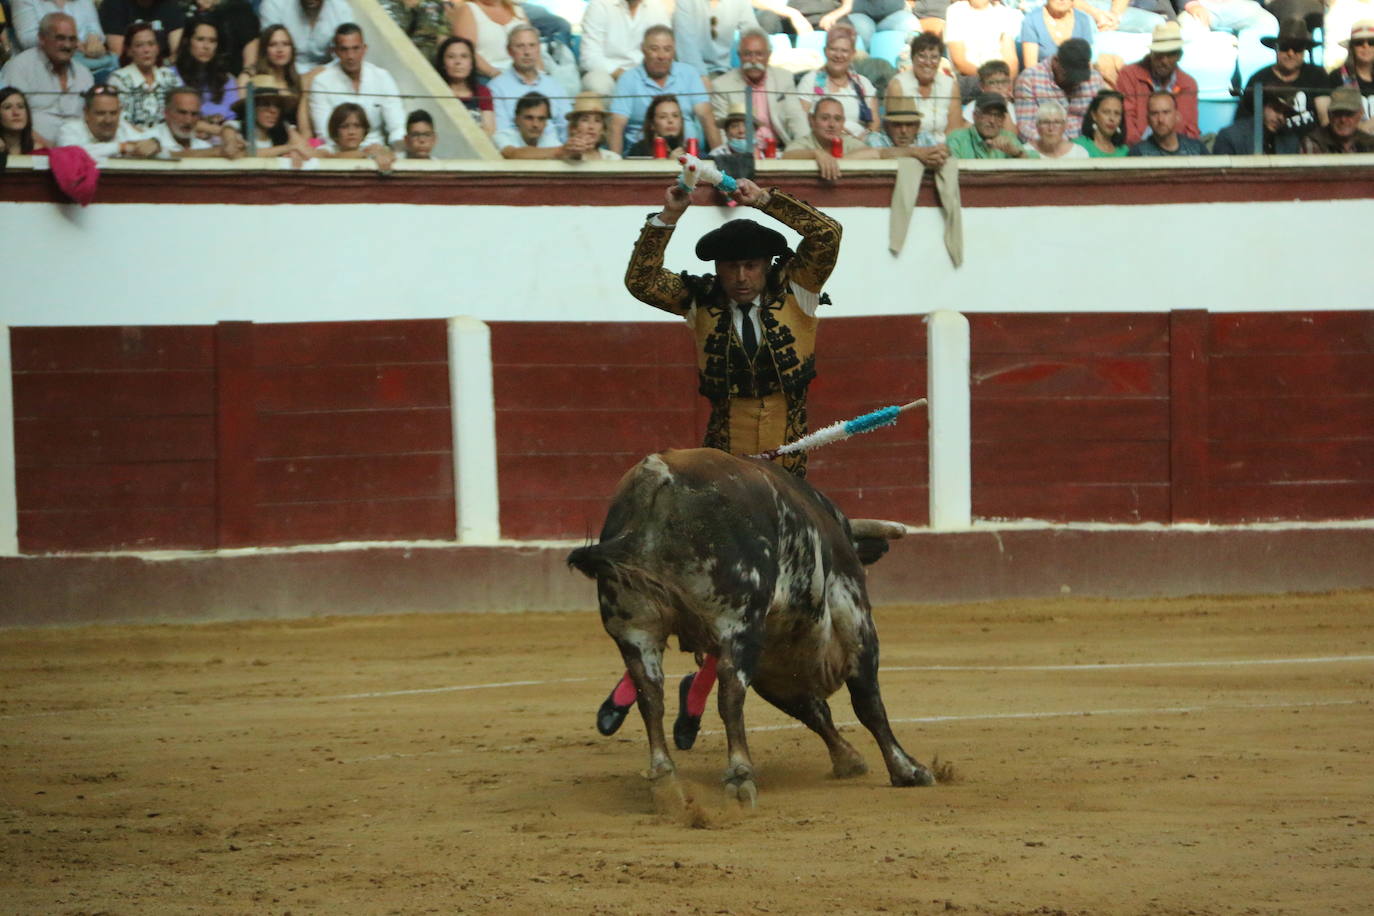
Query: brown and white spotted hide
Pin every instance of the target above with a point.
(741, 560)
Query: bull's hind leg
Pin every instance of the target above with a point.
(814, 713)
(868, 705)
(734, 670)
(643, 654)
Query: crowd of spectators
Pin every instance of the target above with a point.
(601, 79)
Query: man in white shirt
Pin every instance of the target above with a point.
(47, 75)
(311, 24)
(530, 140)
(350, 78)
(176, 133)
(526, 75)
(612, 33)
(103, 133)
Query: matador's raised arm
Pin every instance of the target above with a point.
(651, 283)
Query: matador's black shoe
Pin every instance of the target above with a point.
(686, 727)
(611, 715)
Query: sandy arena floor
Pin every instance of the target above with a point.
(1198, 756)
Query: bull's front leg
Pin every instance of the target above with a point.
(733, 685)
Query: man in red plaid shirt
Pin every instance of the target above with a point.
(1067, 78)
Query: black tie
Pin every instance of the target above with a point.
(748, 336)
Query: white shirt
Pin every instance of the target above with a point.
(981, 31)
(611, 34)
(504, 138)
(28, 13)
(376, 93)
(692, 22)
(50, 105)
(76, 133)
(170, 144)
(314, 41)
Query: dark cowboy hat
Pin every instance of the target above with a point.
(265, 92)
(1291, 31)
(741, 240)
(1281, 99)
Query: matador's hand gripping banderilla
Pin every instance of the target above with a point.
(695, 170)
(835, 432)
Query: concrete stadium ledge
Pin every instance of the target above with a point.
(983, 563)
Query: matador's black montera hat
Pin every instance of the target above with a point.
(741, 240)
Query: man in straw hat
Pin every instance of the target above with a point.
(587, 124)
(777, 113)
(1342, 134)
(1290, 68)
(902, 131)
(1357, 72)
(1157, 71)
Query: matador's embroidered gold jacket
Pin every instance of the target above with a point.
(756, 404)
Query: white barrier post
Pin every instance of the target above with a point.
(473, 409)
(9, 496)
(951, 449)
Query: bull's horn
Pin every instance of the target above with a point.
(877, 528)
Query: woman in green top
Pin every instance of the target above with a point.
(1104, 133)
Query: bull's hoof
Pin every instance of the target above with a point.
(686, 727)
(917, 776)
(850, 768)
(739, 785)
(611, 716)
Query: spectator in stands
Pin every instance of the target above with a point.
(978, 32)
(176, 132)
(50, 79)
(1342, 17)
(1357, 72)
(735, 134)
(1128, 15)
(456, 61)
(273, 133)
(662, 119)
(311, 24)
(143, 84)
(351, 78)
(275, 67)
(526, 75)
(705, 32)
(349, 130)
(1044, 30)
(102, 131)
(1050, 122)
(16, 125)
(238, 28)
(993, 76)
(659, 74)
(1067, 78)
(1275, 137)
(797, 17)
(90, 52)
(1159, 70)
(167, 17)
(1245, 19)
(931, 83)
(777, 113)
(5, 49)
(902, 130)
(869, 17)
(588, 123)
(420, 135)
(1104, 130)
(1342, 134)
(487, 24)
(987, 138)
(1164, 138)
(837, 80)
(931, 14)
(531, 139)
(1310, 81)
(427, 23)
(200, 65)
(828, 137)
(613, 33)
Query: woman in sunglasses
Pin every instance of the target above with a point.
(1357, 72)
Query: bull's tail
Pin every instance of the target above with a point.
(605, 560)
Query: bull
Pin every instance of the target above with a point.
(742, 560)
